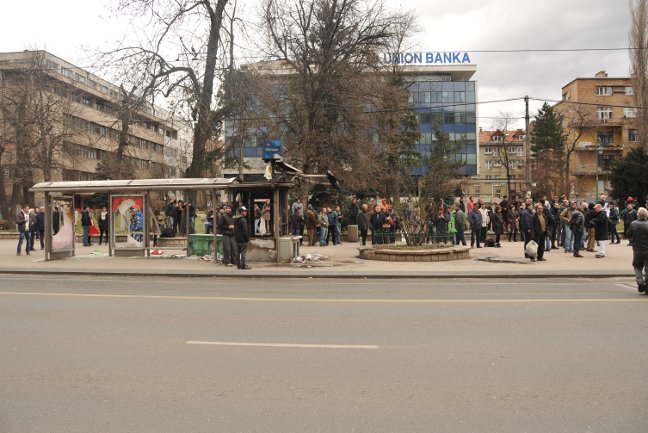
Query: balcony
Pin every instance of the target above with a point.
(605, 147)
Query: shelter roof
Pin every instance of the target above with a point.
(135, 185)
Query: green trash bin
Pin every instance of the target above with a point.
(200, 244)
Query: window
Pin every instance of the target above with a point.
(498, 193)
(630, 113)
(497, 139)
(488, 150)
(605, 137)
(604, 113)
(603, 90)
(520, 151)
(632, 135)
(489, 164)
(629, 91)
(511, 149)
(497, 164)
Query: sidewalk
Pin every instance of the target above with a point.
(506, 262)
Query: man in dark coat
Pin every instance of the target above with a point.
(538, 230)
(226, 228)
(353, 212)
(242, 237)
(379, 225)
(40, 222)
(475, 218)
(600, 223)
(86, 222)
(628, 215)
(363, 224)
(638, 232)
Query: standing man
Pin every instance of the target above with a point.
(22, 221)
(242, 238)
(525, 226)
(378, 222)
(485, 221)
(86, 222)
(169, 212)
(539, 229)
(40, 222)
(600, 222)
(577, 228)
(226, 228)
(323, 225)
(590, 213)
(629, 215)
(475, 218)
(353, 212)
(460, 225)
(311, 223)
(363, 224)
(332, 230)
(566, 219)
(638, 232)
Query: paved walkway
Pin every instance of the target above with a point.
(507, 261)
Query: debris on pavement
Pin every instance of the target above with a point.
(310, 260)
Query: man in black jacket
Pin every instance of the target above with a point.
(539, 226)
(86, 222)
(600, 222)
(638, 232)
(22, 221)
(226, 228)
(242, 237)
(363, 224)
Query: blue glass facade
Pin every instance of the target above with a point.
(452, 103)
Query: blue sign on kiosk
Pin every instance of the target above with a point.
(271, 150)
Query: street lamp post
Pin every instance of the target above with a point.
(599, 152)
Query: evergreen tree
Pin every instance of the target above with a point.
(628, 176)
(547, 133)
(548, 146)
(439, 181)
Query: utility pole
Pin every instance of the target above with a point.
(526, 143)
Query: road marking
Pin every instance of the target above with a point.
(328, 300)
(286, 345)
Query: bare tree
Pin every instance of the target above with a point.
(577, 119)
(179, 57)
(34, 109)
(327, 78)
(638, 36)
(502, 125)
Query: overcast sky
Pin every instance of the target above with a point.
(68, 28)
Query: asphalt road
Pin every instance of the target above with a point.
(209, 355)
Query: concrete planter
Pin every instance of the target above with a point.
(432, 255)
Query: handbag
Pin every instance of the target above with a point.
(531, 249)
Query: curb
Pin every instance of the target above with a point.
(329, 275)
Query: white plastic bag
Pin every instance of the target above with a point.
(532, 249)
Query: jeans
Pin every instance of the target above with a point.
(475, 235)
(86, 238)
(323, 235)
(460, 236)
(24, 235)
(208, 228)
(577, 241)
(230, 253)
(568, 239)
(241, 256)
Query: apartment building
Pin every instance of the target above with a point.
(600, 117)
(497, 151)
(87, 121)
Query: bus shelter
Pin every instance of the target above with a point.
(128, 195)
